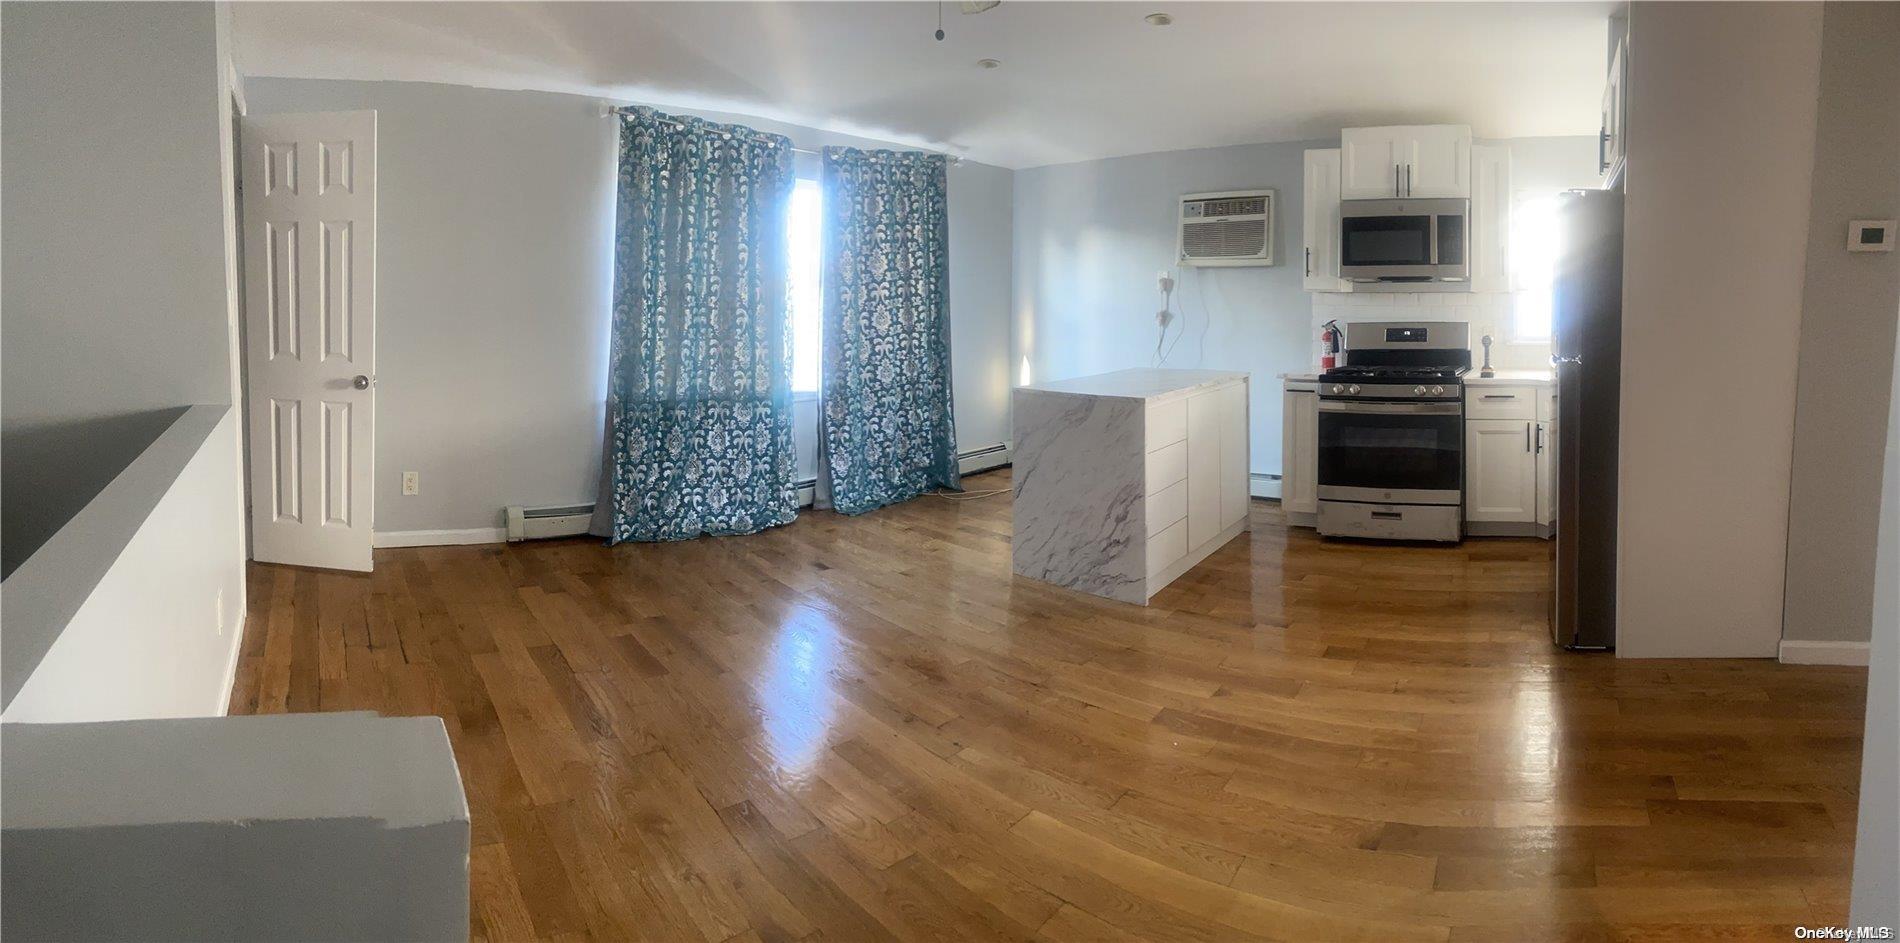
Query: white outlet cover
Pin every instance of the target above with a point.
(411, 483)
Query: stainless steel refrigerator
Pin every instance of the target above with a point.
(1586, 347)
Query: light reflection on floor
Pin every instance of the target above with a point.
(795, 698)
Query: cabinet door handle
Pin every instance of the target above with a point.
(1540, 440)
(1408, 179)
(1395, 181)
(1603, 144)
(1527, 435)
(1309, 260)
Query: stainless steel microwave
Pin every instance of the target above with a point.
(1424, 243)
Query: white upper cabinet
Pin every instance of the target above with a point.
(1611, 142)
(1437, 160)
(1319, 222)
(1490, 218)
(1429, 160)
(1368, 168)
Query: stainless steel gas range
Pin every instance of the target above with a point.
(1392, 432)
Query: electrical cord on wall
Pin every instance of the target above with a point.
(1165, 317)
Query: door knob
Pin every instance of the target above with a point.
(361, 382)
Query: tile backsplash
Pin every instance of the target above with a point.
(1487, 313)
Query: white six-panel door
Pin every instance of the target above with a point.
(309, 195)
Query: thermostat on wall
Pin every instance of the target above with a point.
(1870, 235)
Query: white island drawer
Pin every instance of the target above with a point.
(1166, 506)
(1167, 424)
(1167, 465)
(1167, 547)
(1500, 402)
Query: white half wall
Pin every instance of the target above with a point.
(157, 635)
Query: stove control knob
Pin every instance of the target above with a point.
(1438, 390)
(1338, 389)
(1418, 391)
(1353, 389)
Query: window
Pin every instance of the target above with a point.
(1533, 269)
(807, 301)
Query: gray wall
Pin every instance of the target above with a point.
(494, 268)
(1721, 130)
(1847, 329)
(1876, 900)
(113, 248)
(1091, 236)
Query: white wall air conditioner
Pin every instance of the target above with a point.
(1230, 228)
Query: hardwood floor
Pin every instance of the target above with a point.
(865, 729)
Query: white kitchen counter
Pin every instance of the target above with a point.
(1511, 378)
(1125, 480)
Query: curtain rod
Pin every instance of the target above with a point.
(615, 111)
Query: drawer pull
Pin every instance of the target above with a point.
(1387, 516)
(1500, 396)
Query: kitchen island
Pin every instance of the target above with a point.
(1126, 480)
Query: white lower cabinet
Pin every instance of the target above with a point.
(1196, 477)
(1500, 470)
(1234, 458)
(1203, 467)
(1299, 452)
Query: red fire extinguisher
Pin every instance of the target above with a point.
(1329, 345)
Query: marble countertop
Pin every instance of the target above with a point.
(1145, 383)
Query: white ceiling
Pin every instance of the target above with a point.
(1079, 80)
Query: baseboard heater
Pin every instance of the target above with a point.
(525, 523)
(569, 520)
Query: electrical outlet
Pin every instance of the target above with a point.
(411, 483)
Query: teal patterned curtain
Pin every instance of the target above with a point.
(699, 436)
(888, 426)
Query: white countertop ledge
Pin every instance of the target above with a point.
(1509, 378)
(1144, 383)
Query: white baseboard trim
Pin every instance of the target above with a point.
(968, 463)
(439, 538)
(983, 459)
(1800, 652)
(1263, 486)
(237, 648)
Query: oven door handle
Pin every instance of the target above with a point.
(1410, 409)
